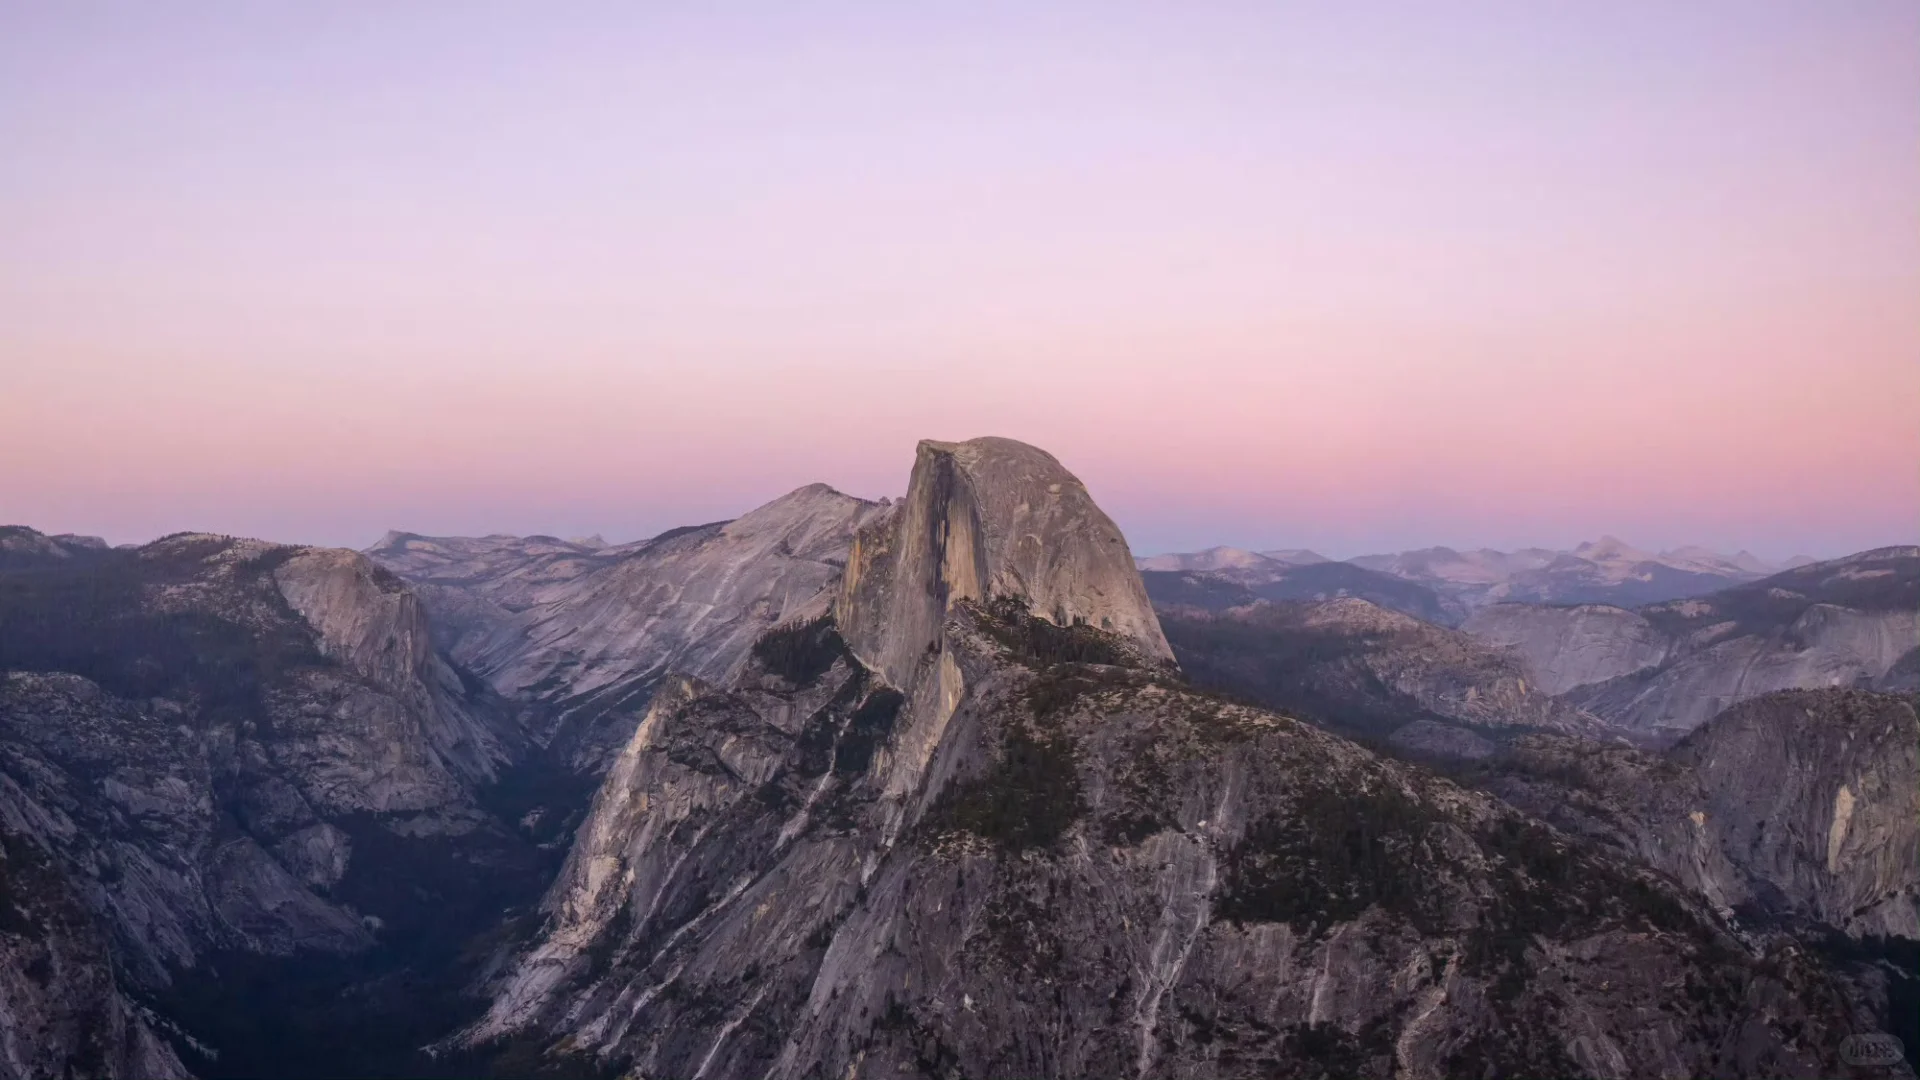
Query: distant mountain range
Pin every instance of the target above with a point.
(944, 786)
(1603, 571)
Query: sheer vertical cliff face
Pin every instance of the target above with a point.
(970, 822)
(985, 518)
(1817, 793)
(1801, 803)
(982, 519)
(432, 738)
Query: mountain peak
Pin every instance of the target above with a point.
(985, 518)
(1611, 549)
(1297, 556)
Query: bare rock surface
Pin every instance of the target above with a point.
(1567, 647)
(986, 518)
(1669, 667)
(235, 755)
(1106, 874)
(1801, 804)
(586, 632)
(62, 1011)
(1818, 794)
(1364, 670)
(972, 822)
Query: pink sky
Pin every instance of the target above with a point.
(1264, 274)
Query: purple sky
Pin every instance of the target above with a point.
(1349, 276)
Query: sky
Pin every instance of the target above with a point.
(1355, 277)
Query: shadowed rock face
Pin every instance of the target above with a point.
(1109, 876)
(983, 519)
(957, 827)
(237, 755)
(61, 1007)
(1817, 793)
(1801, 804)
(1362, 670)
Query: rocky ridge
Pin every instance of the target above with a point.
(1221, 589)
(1363, 670)
(1801, 804)
(972, 821)
(585, 633)
(1669, 667)
(225, 749)
(1604, 571)
(62, 1010)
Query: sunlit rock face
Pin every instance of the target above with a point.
(1817, 794)
(986, 518)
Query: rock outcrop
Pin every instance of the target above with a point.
(983, 519)
(1667, 668)
(970, 821)
(1802, 804)
(1816, 793)
(21, 547)
(1362, 670)
(235, 753)
(585, 633)
(62, 1011)
(1569, 647)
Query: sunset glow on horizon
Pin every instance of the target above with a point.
(1349, 277)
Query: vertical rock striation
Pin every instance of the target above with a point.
(986, 518)
(1801, 804)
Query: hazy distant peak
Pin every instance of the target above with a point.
(1297, 556)
(1213, 558)
(1611, 549)
(1231, 558)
